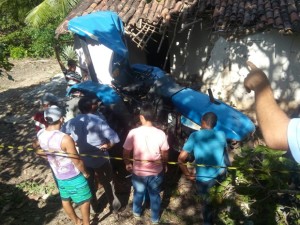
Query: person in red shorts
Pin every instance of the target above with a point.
(47, 100)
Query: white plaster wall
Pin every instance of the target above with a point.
(277, 55)
(190, 50)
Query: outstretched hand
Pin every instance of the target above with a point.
(273, 122)
(256, 79)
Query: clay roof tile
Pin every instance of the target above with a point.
(258, 14)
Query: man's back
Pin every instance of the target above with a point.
(89, 128)
(147, 144)
(208, 147)
(89, 132)
(51, 141)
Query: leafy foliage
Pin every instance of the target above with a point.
(4, 63)
(68, 52)
(19, 40)
(64, 50)
(261, 181)
(8, 24)
(30, 42)
(35, 188)
(49, 10)
(18, 52)
(13, 13)
(42, 42)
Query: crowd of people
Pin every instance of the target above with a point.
(78, 151)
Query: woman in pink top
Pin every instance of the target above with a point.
(150, 154)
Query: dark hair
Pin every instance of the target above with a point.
(49, 120)
(210, 118)
(72, 62)
(148, 112)
(85, 104)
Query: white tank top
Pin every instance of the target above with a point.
(61, 164)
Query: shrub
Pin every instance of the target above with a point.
(260, 180)
(68, 52)
(18, 52)
(42, 41)
(30, 42)
(5, 65)
(17, 38)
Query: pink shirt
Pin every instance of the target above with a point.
(147, 144)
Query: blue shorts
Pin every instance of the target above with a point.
(75, 189)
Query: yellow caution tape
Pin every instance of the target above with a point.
(48, 152)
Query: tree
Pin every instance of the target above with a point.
(27, 26)
(13, 13)
(5, 65)
(49, 10)
(35, 13)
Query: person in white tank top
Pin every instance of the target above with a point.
(69, 172)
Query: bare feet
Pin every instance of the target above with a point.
(79, 222)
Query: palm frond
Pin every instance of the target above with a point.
(39, 15)
(3, 2)
(48, 10)
(17, 9)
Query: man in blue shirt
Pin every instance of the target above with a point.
(209, 149)
(94, 138)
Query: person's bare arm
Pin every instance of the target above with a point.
(68, 146)
(164, 159)
(272, 121)
(128, 163)
(37, 148)
(181, 160)
(106, 146)
(84, 73)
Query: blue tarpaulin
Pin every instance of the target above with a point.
(104, 93)
(105, 27)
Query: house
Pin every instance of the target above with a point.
(204, 44)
